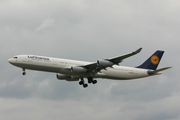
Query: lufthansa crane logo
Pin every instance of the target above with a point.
(154, 59)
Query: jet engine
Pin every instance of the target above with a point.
(67, 78)
(104, 63)
(78, 69)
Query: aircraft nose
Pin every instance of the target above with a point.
(10, 60)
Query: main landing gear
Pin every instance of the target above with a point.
(90, 80)
(82, 82)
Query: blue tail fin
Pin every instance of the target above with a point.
(153, 61)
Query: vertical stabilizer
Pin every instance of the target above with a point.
(153, 61)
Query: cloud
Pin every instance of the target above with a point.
(47, 23)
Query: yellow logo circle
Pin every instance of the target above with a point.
(154, 59)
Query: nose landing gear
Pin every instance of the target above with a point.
(24, 73)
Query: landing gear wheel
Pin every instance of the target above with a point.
(94, 81)
(81, 82)
(24, 73)
(85, 85)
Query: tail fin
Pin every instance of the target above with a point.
(153, 61)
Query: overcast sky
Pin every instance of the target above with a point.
(89, 30)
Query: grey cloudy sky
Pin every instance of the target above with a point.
(89, 30)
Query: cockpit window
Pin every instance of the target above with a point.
(15, 57)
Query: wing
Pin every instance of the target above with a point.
(117, 60)
(103, 64)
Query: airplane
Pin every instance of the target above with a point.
(73, 70)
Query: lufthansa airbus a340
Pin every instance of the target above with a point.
(73, 70)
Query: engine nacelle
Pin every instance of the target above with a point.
(104, 63)
(78, 69)
(67, 78)
(62, 77)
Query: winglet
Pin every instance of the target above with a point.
(137, 51)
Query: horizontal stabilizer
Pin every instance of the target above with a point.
(159, 70)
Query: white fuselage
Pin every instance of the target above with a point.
(56, 65)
